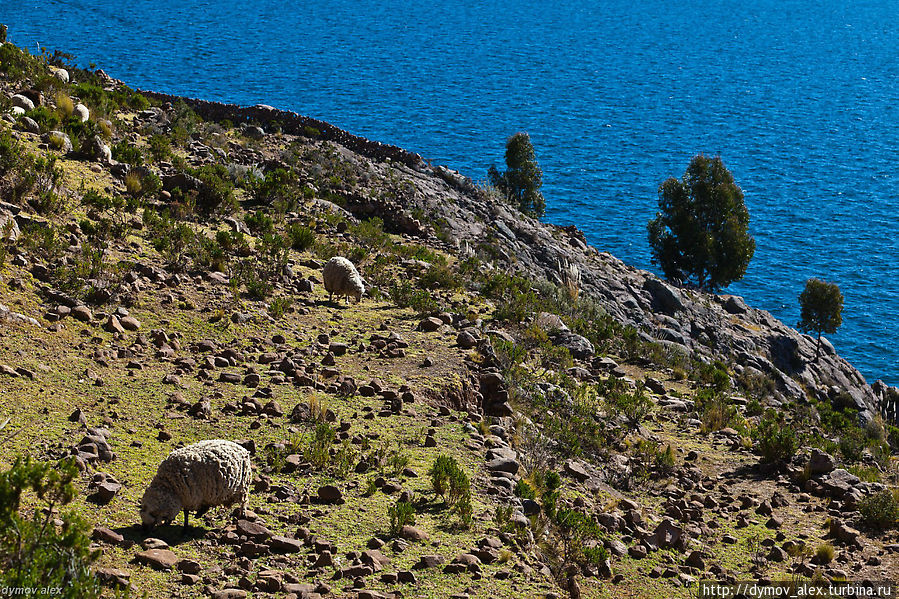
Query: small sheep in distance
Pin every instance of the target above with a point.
(197, 477)
(342, 278)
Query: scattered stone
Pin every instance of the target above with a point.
(159, 559)
(428, 561)
(106, 535)
(329, 494)
(411, 533)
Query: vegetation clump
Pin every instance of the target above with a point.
(880, 510)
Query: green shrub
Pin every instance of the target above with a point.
(124, 151)
(34, 552)
(160, 147)
(371, 233)
(524, 490)
(400, 514)
(714, 375)
(301, 237)
(716, 411)
(824, 553)
(279, 307)
(405, 295)
(317, 450)
(216, 195)
(775, 439)
(574, 529)
(46, 118)
(754, 408)
(259, 222)
(852, 443)
(439, 276)
(210, 254)
(280, 189)
(448, 479)
(880, 510)
(634, 407)
(171, 239)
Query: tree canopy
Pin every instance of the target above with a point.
(700, 234)
(821, 309)
(520, 183)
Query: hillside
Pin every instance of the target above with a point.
(161, 283)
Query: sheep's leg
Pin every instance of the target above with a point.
(186, 527)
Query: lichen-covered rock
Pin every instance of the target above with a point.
(196, 478)
(342, 278)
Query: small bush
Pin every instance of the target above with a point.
(824, 554)
(279, 307)
(400, 514)
(125, 152)
(775, 439)
(405, 295)
(301, 237)
(524, 490)
(160, 147)
(449, 480)
(64, 104)
(880, 510)
(439, 276)
(634, 407)
(133, 183)
(259, 222)
(852, 443)
(217, 193)
(317, 449)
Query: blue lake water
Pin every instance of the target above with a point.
(799, 98)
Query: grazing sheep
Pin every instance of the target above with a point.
(197, 477)
(342, 278)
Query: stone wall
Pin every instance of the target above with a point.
(293, 123)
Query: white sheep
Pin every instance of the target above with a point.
(342, 278)
(197, 477)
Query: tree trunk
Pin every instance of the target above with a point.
(818, 347)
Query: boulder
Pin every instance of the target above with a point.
(158, 559)
(22, 102)
(97, 150)
(58, 141)
(820, 462)
(665, 298)
(61, 74)
(26, 123)
(579, 346)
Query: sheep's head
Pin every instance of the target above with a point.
(158, 506)
(358, 290)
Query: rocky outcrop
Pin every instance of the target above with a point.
(699, 324)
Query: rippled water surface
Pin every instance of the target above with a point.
(799, 99)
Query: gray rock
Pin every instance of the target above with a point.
(22, 102)
(820, 462)
(665, 298)
(26, 123)
(96, 149)
(579, 346)
(58, 141)
(503, 464)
